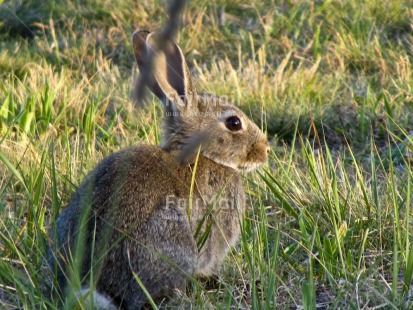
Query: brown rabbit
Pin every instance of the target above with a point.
(161, 214)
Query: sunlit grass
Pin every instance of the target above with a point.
(329, 216)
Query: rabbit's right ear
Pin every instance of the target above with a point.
(171, 81)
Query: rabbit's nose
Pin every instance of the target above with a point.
(268, 149)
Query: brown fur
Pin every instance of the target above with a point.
(126, 218)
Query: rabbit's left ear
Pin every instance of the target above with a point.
(172, 82)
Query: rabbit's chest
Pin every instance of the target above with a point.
(217, 225)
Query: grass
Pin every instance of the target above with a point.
(330, 215)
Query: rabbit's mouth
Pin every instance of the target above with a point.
(257, 156)
(248, 167)
(245, 167)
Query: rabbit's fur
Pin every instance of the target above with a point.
(140, 213)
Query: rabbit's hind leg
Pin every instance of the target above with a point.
(161, 255)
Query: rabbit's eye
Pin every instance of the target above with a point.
(233, 123)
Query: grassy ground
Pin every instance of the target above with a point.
(329, 222)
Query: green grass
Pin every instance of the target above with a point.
(329, 217)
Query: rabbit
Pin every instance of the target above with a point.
(158, 216)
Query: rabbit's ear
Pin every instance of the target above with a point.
(139, 48)
(172, 81)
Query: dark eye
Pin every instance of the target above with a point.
(233, 123)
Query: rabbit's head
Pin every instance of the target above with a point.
(224, 133)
